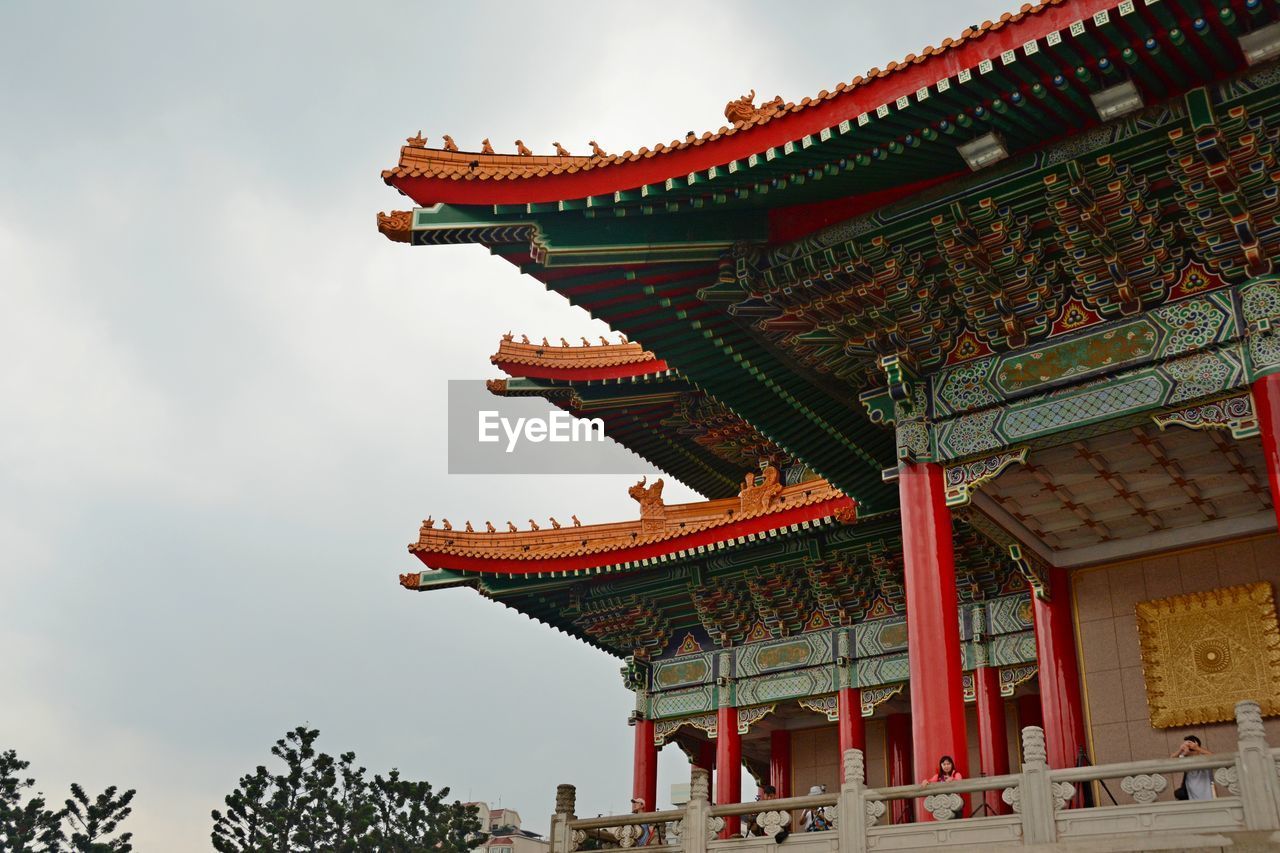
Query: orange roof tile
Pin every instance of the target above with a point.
(588, 361)
(661, 530)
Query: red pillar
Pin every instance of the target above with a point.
(728, 766)
(1060, 702)
(644, 780)
(853, 729)
(993, 733)
(933, 624)
(780, 762)
(897, 749)
(1266, 405)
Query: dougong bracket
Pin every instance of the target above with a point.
(1032, 570)
(635, 674)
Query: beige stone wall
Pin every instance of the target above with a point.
(877, 769)
(815, 759)
(1111, 666)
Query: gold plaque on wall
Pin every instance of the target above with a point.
(1204, 652)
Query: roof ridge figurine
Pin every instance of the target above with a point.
(561, 151)
(485, 146)
(449, 144)
(522, 149)
(744, 108)
(596, 150)
(418, 141)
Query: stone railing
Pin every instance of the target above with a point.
(1040, 801)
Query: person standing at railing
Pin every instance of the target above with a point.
(815, 819)
(947, 772)
(648, 834)
(1196, 784)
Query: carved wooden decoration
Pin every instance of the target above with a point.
(1202, 653)
(1233, 413)
(964, 478)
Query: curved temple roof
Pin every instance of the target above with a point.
(661, 531)
(561, 361)
(431, 176)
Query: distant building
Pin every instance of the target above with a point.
(504, 834)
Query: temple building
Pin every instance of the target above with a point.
(976, 361)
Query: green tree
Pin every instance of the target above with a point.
(93, 821)
(30, 827)
(318, 803)
(33, 827)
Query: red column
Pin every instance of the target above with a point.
(897, 750)
(933, 624)
(1059, 673)
(644, 780)
(780, 762)
(728, 766)
(853, 729)
(993, 733)
(1266, 405)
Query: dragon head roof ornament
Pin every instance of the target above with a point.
(744, 109)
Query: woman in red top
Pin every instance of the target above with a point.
(946, 771)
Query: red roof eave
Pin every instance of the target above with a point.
(616, 371)
(808, 118)
(592, 560)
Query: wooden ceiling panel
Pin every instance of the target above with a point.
(1133, 483)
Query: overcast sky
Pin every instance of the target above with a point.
(222, 389)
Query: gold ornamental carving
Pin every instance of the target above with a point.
(1202, 653)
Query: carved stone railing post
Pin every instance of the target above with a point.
(1255, 770)
(561, 835)
(1034, 796)
(695, 826)
(851, 808)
